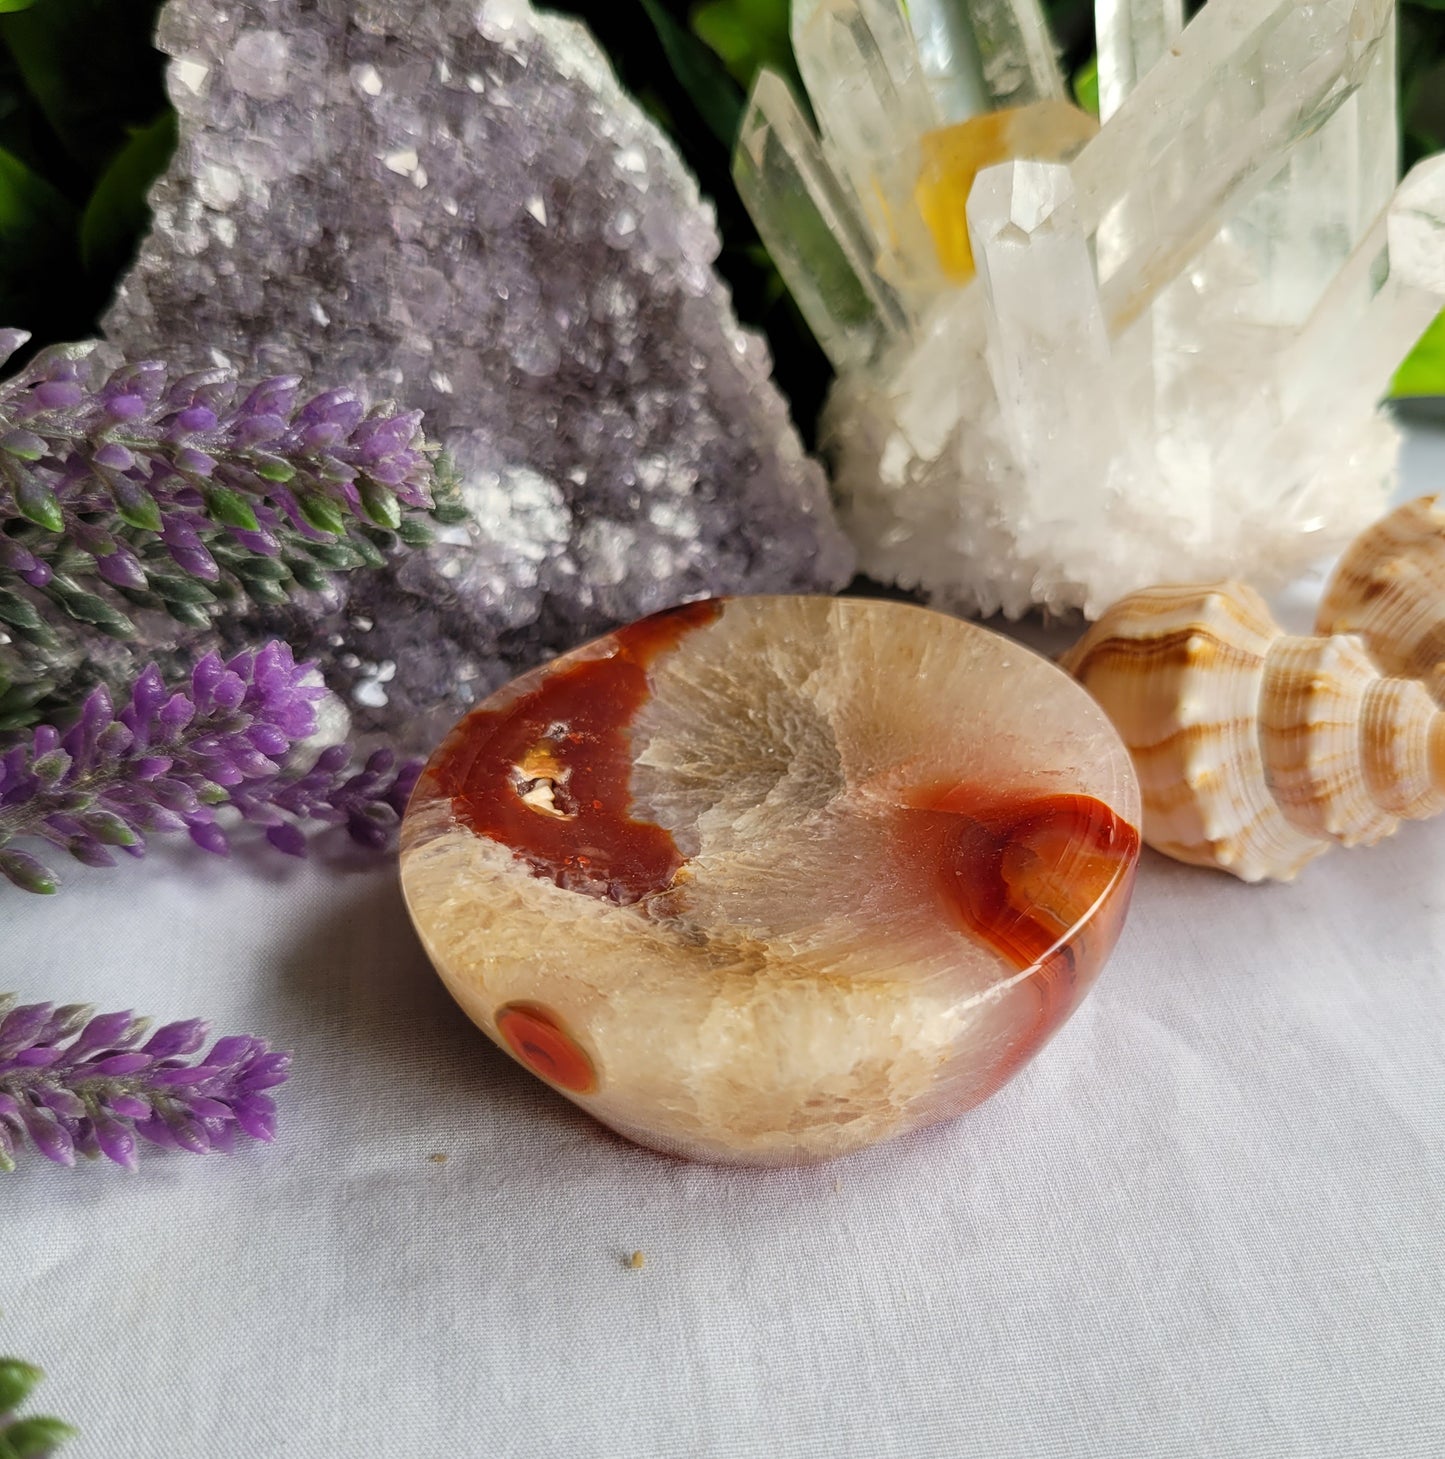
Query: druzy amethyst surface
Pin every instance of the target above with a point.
(458, 207)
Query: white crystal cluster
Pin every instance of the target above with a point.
(1168, 362)
(456, 205)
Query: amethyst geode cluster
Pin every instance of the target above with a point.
(457, 206)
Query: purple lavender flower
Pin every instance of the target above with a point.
(132, 485)
(72, 1083)
(170, 760)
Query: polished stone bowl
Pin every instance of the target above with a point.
(767, 880)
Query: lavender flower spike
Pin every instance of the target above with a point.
(72, 1083)
(169, 761)
(131, 485)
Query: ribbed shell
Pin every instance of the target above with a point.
(1257, 750)
(1389, 588)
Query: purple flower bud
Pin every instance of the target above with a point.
(122, 568)
(189, 1134)
(89, 852)
(63, 1103)
(256, 1115)
(21, 1025)
(268, 1070)
(228, 690)
(276, 396)
(58, 394)
(269, 740)
(157, 1131)
(257, 430)
(116, 1140)
(194, 462)
(108, 1031)
(115, 1065)
(333, 759)
(34, 1058)
(233, 1049)
(210, 837)
(49, 1136)
(123, 406)
(175, 714)
(287, 838)
(194, 420)
(113, 456)
(177, 1038)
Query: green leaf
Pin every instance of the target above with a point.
(273, 468)
(264, 591)
(140, 512)
(269, 569)
(713, 92)
(108, 828)
(18, 613)
(9, 7)
(37, 243)
(322, 513)
(32, 1438)
(38, 504)
(28, 874)
(23, 445)
(371, 555)
(748, 35)
(1086, 86)
(17, 1379)
(337, 556)
(91, 69)
(117, 213)
(18, 700)
(1423, 372)
(176, 589)
(379, 504)
(230, 508)
(307, 574)
(90, 609)
(191, 614)
(25, 196)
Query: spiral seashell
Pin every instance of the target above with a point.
(1389, 588)
(1257, 750)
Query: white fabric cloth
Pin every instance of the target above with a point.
(1206, 1221)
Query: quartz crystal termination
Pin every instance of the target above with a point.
(1078, 364)
(768, 880)
(457, 207)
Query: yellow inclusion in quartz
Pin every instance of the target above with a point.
(1047, 131)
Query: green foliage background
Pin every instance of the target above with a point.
(85, 128)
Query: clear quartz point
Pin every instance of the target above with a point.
(1020, 63)
(949, 56)
(1133, 36)
(861, 67)
(1377, 307)
(811, 226)
(1211, 123)
(1048, 346)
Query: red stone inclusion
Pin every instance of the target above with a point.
(576, 721)
(1023, 873)
(536, 1036)
(1043, 880)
